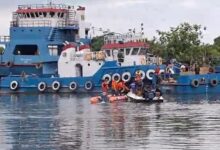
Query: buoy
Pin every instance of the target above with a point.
(149, 74)
(195, 83)
(73, 86)
(214, 82)
(117, 98)
(95, 99)
(88, 85)
(126, 76)
(14, 85)
(108, 77)
(116, 77)
(42, 86)
(112, 99)
(56, 85)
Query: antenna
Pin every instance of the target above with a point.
(50, 1)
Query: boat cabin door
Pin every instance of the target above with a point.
(115, 54)
(79, 70)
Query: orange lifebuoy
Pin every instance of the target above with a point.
(117, 98)
(95, 100)
(112, 99)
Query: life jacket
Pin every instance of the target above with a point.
(157, 71)
(114, 85)
(120, 85)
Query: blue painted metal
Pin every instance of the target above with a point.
(184, 85)
(29, 83)
(40, 36)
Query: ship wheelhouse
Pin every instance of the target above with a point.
(127, 53)
(37, 34)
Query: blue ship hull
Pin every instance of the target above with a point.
(29, 83)
(184, 84)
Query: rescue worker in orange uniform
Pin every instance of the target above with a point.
(114, 87)
(122, 88)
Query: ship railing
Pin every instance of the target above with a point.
(4, 39)
(72, 22)
(67, 24)
(35, 23)
(40, 6)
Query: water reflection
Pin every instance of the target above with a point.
(52, 121)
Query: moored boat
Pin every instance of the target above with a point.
(37, 34)
(49, 57)
(192, 84)
(140, 99)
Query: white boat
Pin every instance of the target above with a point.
(132, 97)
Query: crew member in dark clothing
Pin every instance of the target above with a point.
(148, 93)
(158, 92)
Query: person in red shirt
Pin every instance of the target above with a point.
(105, 88)
(122, 88)
(157, 70)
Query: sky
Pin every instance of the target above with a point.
(122, 15)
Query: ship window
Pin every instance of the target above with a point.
(58, 14)
(142, 51)
(135, 51)
(82, 17)
(53, 50)
(26, 50)
(28, 15)
(36, 14)
(45, 14)
(32, 15)
(62, 14)
(127, 51)
(122, 51)
(108, 52)
(24, 15)
(52, 14)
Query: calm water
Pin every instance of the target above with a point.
(71, 122)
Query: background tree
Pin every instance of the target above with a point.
(156, 47)
(182, 42)
(1, 50)
(217, 41)
(97, 43)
